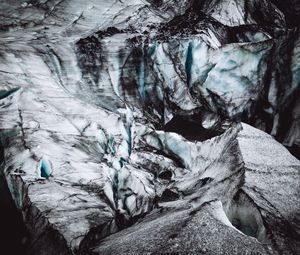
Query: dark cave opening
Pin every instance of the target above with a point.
(190, 128)
(166, 175)
(245, 216)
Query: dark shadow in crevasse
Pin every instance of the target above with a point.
(13, 234)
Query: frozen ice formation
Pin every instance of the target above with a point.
(150, 127)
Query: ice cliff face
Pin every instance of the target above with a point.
(195, 64)
(122, 126)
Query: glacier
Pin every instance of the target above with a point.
(149, 127)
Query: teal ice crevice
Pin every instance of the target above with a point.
(45, 169)
(141, 87)
(189, 64)
(5, 93)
